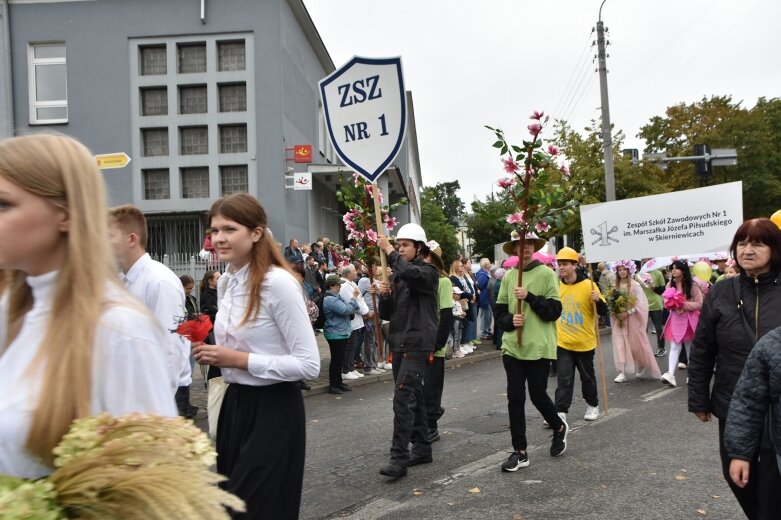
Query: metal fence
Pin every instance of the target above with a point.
(191, 264)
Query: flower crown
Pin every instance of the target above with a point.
(628, 264)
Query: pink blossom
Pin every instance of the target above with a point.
(542, 227)
(507, 182)
(347, 218)
(564, 169)
(515, 217)
(534, 129)
(537, 115)
(511, 165)
(371, 235)
(390, 223)
(553, 150)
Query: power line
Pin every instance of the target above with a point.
(576, 108)
(578, 93)
(576, 69)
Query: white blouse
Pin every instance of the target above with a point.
(129, 371)
(280, 341)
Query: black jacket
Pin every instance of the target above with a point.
(758, 392)
(736, 313)
(209, 302)
(412, 307)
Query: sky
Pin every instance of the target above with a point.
(493, 62)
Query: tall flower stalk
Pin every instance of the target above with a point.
(535, 182)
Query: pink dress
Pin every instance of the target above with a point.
(631, 348)
(680, 327)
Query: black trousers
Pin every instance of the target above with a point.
(349, 353)
(261, 445)
(657, 317)
(567, 361)
(410, 422)
(337, 348)
(434, 384)
(536, 374)
(761, 498)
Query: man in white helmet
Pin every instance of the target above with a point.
(410, 303)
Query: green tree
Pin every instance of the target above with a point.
(487, 223)
(445, 194)
(437, 227)
(722, 123)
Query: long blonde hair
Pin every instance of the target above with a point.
(246, 210)
(62, 171)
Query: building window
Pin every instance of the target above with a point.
(233, 179)
(154, 101)
(192, 99)
(233, 138)
(155, 141)
(156, 184)
(195, 183)
(153, 60)
(231, 55)
(193, 140)
(233, 97)
(192, 58)
(48, 83)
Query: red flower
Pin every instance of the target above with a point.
(553, 150)
(510, 165)
(195, 329)
(537, 115)
(534, 129)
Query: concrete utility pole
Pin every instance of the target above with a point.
(6, 100)
(607, 138)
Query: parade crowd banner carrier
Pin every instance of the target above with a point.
(678, 223)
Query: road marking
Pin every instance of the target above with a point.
(658, 393)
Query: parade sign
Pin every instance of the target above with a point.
(678, 223)
(365, 108)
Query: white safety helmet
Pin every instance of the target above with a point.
(411, 232)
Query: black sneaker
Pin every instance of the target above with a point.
(393, 470)
(414, 460)
(433, 435)
(344, 388)
(660, 352)
(334, 390)
(516, 460)
(559, 443)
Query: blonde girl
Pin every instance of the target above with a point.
(72, 342)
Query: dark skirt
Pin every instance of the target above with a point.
(261, 444)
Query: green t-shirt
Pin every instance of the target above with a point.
(445, 299)
(539, 337)
(655, 302)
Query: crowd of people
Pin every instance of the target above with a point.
(102, 341)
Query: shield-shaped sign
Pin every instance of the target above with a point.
(365, 109)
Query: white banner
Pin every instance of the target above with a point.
(678, 223)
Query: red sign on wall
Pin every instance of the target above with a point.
(302, 153)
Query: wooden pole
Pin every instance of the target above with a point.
(378, 220)
(519, 302)
(599, 347)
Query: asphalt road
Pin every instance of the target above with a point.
(647, 459)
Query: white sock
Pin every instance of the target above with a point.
(675, 352)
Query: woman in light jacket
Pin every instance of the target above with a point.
(337, 329)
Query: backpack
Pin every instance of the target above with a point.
(319, 321)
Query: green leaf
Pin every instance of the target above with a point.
(504, 150)
(517, 149)
(498, 144)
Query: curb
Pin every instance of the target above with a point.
(321, 387)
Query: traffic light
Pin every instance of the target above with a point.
(702, 167)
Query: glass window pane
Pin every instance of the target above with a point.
(153, 60)
(192, 58)
(194, 140)
(51, 113)
(233, 179)
(233, 97)
(49, 51)
(154, 101)
(192, 99)
(156, 184)
(50, 83)
(233, 138)
(155, 141)
(195, 183)
(231, 55)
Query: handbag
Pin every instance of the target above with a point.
(216, 393)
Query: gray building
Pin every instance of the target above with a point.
(206, 97)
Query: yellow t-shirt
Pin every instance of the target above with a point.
(575, 328)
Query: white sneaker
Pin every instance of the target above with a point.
(356, 373)
(682, 366)
(468, 349)
(374, 372)
(641, 372)
(388, 366)
(668, 379)
(592, 413)
(458, 354)
(349, 375)
(620, 378)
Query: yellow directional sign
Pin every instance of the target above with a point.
(107, 161)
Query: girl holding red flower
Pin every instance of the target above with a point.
(683, 297)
